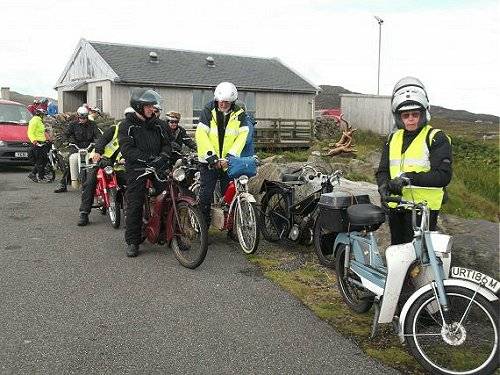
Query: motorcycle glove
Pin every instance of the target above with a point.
(395, 186)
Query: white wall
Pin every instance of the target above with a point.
(368, 112)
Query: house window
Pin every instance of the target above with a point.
(98, 97)
(248, 98)
(202, 97)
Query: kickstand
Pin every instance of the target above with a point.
(375, 320)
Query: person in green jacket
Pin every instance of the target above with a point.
(39, 145)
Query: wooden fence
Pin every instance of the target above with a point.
(277, 132)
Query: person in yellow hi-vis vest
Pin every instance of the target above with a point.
(106, 146)
(221, 131)
(39, 146)
(418, 152)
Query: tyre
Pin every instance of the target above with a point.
(357, 298)
(114, 212)
(190, 242)
(274, 220)
(245, 223)
(468, 346)
(323, 245)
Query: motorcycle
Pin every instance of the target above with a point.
(234, 210)
(172, 216)
(55, 162)
(289, 207)
(448, 317)
(108, 195)
(79, 162)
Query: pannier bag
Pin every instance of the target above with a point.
(238, 166)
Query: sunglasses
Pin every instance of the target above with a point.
(407, 115)
(173, 122)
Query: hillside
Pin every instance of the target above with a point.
(25, 99)
(329, 97)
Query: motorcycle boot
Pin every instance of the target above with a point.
(61, 189)
(132, 250)
(32, 177)
(84, 219)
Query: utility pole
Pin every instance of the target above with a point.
(380, 22)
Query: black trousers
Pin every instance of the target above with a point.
(208, 182)
(40, 159)
(135, 195)
(400, 223)
(89, 186)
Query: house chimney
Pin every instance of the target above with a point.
(153, 57)
(210, 61)
(5, 93)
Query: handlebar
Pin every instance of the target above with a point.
(148, 171)
(88, 148)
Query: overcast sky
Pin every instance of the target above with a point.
(453, 46)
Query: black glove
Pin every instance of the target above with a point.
(159, 163)
(383, 191)
(212, 159)
(176, 147)
(395, 186)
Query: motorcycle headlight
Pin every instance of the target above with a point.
(2, 143)
(108, 170)
(243, 180)
(179, 174)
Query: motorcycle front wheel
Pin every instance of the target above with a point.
(469, 345)
(113, 211)
(357, 298)
(275, 216)
(245, 221)
(190, 241)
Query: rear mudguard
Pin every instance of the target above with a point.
(448, 282)
(274, 185)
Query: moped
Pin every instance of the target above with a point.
(108, 193)
(234, 210)
(289, 207)
(172, 216)
(447, 318)
(55, 162)
(79, 162)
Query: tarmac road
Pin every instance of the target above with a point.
(72, 303)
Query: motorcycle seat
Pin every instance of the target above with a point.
(365, 216)
(286, 177)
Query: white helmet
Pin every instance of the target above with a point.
(82, 111)
(128, 110)
(408, 94)
(225, 91)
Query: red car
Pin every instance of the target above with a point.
(14, 142)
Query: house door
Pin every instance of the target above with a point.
(73, 99)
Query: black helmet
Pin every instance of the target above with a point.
(143, 97)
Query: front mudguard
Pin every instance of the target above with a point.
(448, 282)
(341, 238)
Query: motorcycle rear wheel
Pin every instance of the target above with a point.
(354, 296)
(469, 346)
(190, 241)
(323, 245)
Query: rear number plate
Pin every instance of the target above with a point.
(21, 154)
(476, 277)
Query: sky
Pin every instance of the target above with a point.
(453, 47)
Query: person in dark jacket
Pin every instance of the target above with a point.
(177, 133)
(82, 132)
(415, 152)
(143, 141)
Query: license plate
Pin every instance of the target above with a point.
(476, 277)
(20, 154)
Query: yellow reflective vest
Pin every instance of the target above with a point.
(112, 146)
(207, 136)
(36, 130)
(414, 159)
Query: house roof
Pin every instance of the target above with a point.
(190, 69)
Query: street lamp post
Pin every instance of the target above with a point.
(380, 22)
